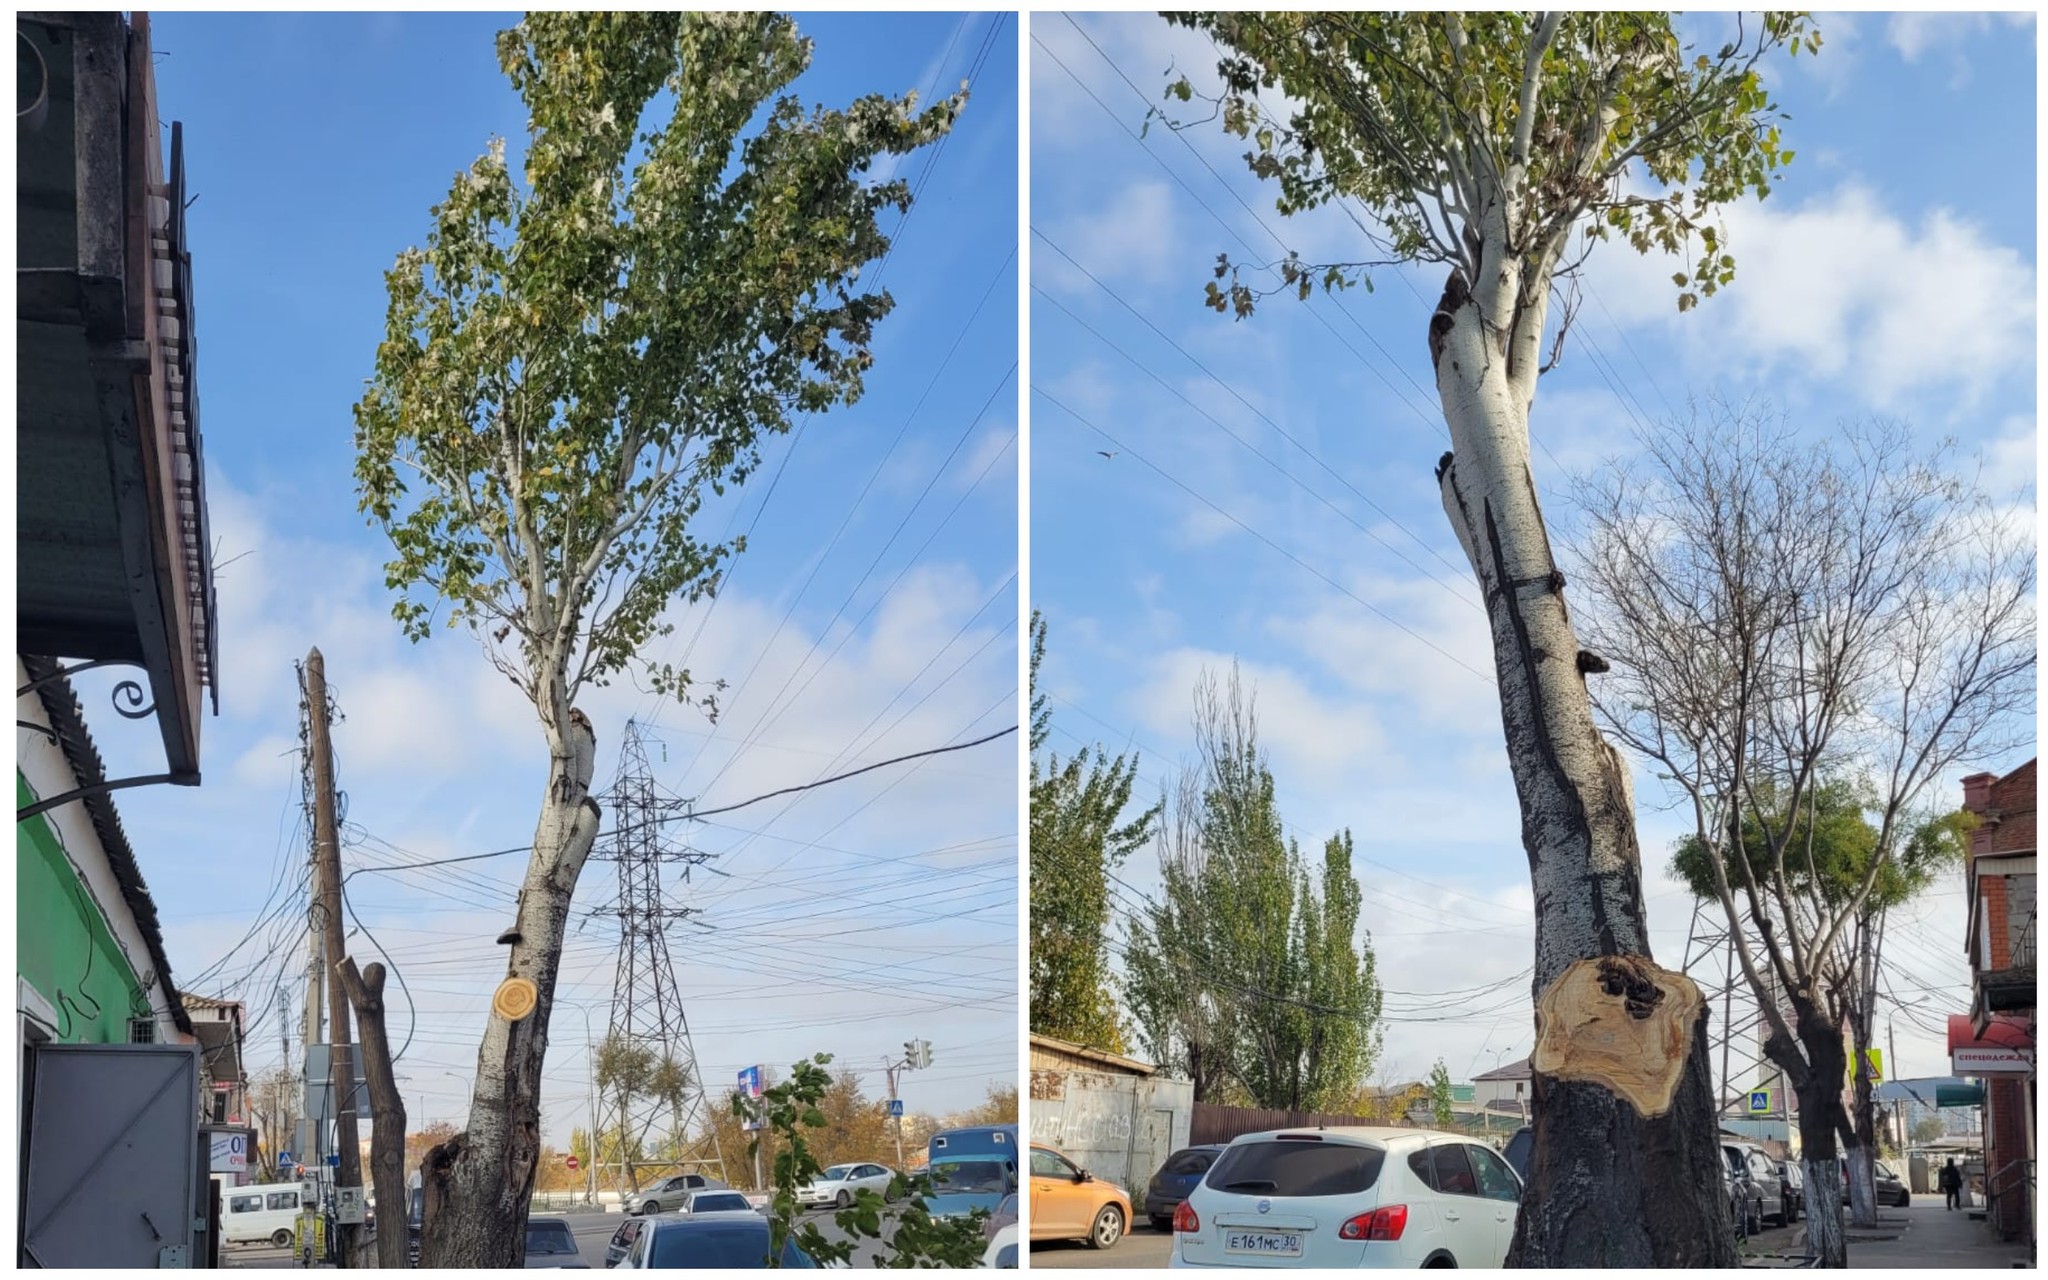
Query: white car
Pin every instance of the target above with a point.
(1350, 1197)
(1002, 1248)
(837, 1185)
(702, 1203)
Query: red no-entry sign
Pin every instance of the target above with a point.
(573, 1162)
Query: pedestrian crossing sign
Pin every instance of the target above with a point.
(1759, 1100)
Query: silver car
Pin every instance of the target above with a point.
(838, 1185)
(670, 1193)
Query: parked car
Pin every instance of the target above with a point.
(1891, 1189)
(1792, 1185)
(699, 1203)
(1740, 1208)
(1004, 1216)
(1757, 1175)
(1350, 1197)
(1070, 1203)
(669, 1193)
(1002, 1246)
(838, 1185)
(549, 1244)
(622, 1240)
(698, 1244)
(261, 1215)
(1181, 1174)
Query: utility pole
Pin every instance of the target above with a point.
(1891, 1053)
(348, 1181)
(890, 1068)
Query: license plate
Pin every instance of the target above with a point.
(1283, 1244)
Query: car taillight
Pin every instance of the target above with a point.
(1381, 1224)
(1185, 1219)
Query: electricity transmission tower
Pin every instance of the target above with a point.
(647, 1076)
(1738, 1026)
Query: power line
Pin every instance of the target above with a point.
(1332, 582)
(703, 813)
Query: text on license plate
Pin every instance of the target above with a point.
(1283, 1243)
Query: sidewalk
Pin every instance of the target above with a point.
(1933, 1238)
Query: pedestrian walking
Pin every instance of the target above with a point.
(1951, 1182)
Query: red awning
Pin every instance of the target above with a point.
(2004, 1031)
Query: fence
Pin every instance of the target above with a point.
(1214, 1123)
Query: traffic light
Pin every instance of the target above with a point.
(924, 1053)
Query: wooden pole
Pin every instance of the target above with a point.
(327, 854)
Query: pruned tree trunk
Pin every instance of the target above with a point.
(485, 1181)
(1615, 1181)
(1862, 1160)
(1816, 1065)
(387, 1109)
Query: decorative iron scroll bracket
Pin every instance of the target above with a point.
(65, 673)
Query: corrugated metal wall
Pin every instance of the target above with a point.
(1120, 1128)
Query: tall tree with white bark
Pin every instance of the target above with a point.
(580, 356)
(1779, 615)
(1505, 146)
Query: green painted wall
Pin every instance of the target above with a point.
(62, 946)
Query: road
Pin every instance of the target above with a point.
(1143, 1247)
(592, 1231)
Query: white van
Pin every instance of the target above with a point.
(267, 1214)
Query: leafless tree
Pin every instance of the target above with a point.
(1778, 614)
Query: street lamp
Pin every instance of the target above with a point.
(590, 1052)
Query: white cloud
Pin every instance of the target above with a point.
(1133, 235)
(1922, 35)
(1315, 742)
(1843, 288)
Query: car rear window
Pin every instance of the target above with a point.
(1297, 1168)
(718, 1202)
(548, 1239)
(705, 1246)
(1186, 1162)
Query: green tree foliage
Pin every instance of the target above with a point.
(1830, 848)
(1440, 1095)
(584, 351)
(793, 1110)
(1078, 839)
(1929, 1129)
(1514, 129)
(1247, 971)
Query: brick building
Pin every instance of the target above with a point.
(1995, 1042)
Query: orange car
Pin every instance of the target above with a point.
(1069, 1203)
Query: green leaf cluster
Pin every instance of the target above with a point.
(1829, 849)
(1451, 128)
(585, 350)
(1079, 837)
(1440, 1098)
(792, 1111)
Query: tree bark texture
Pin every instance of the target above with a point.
(1610, 1186)
(485, 1180)
(387, 1110)
(1816, 1066)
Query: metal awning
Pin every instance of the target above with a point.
(112, 557)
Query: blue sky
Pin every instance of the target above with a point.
(874, 613)
(1892, 273)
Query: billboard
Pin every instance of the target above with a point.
(750, 1089)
